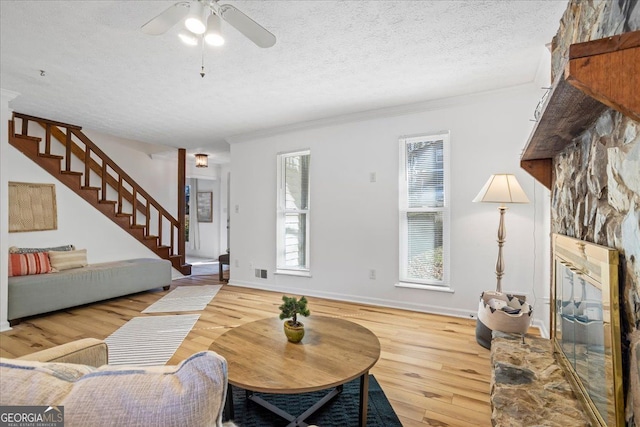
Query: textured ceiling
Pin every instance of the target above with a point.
(331, 58)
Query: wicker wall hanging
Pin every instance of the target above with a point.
(32, 207)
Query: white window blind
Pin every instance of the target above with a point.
(293, 211)
(423, 210)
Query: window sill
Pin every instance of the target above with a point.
(298, 273)
(425, 287)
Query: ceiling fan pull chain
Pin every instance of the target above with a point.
(202, 56)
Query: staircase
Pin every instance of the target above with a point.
(104, 185)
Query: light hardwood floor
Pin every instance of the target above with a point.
(431, 368)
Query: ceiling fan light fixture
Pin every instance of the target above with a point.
(188, 38)
(195, 21)
(213, 36)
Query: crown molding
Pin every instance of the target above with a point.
(399, 110)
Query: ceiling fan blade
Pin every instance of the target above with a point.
(247, 26)
(167, 19)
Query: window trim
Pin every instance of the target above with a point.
(403, 209)
(281, 212)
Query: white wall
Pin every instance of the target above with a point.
(79, 223)
(213, 236)
(204, 237)
(354, 223)
(5, 115)
(543, 218)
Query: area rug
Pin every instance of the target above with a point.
(184, 298)
(149, 341)
(341, 411)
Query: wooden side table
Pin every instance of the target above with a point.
(222, 260)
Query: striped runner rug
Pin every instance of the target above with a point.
(184, 298)
(149, 341)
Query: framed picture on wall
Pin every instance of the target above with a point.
(205, 206)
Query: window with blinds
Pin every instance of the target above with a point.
(423, 209)
(293, 211)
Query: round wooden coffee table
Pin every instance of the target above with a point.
(332, 352)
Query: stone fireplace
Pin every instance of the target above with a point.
(595, 191)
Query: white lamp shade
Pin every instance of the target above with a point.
(195, 19)
(502, 188)
(213, 36)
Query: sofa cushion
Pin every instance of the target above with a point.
(65, 260)
(16, 250)
(35, 383)
(26, 264)
(189, 394)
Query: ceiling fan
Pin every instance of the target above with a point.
(202, 18)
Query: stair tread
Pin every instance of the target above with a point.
(124, 214)
(50, 156)
(113, 202)
(90, 188)
(71, 173)
(150, 237)
(163, 247)
(31, 138)
(138, 226)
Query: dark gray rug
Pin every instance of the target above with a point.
(340, 412)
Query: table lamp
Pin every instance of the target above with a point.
(501, 188)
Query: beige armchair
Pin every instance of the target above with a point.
(87, 351)
(77, 377)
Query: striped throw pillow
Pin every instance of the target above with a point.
(25, 264)
(65, 260)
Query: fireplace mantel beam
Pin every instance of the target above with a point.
(608, 70)
(598, 73)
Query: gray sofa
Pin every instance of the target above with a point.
(42, 293)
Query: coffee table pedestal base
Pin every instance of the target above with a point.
(299, 420)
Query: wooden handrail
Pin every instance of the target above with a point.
(100, 170)
(29, 118)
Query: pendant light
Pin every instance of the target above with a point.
(202, 160)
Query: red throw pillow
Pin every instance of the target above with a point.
(25, 264)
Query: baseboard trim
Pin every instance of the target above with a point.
(423, 308)
(4, 326)
(544, 332)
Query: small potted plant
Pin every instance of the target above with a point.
(290, 309)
